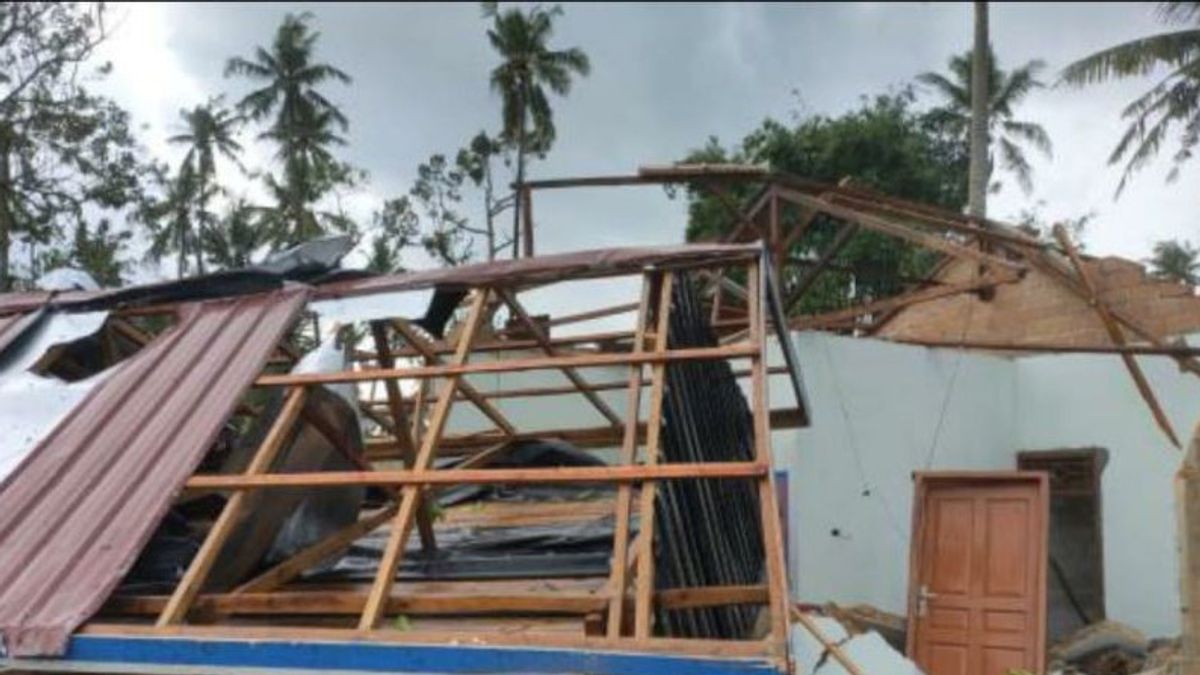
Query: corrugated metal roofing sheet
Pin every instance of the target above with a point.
(12, 325)
(75, 515)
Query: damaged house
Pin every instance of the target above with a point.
(496, 468)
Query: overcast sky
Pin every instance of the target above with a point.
(664, 78)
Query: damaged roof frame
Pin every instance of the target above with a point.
(38, 615)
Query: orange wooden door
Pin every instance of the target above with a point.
(977, 597)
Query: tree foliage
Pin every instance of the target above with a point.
(67, 156)
(884, 145)
(528, 67)
(304, 125)
(1006, 90)
(1175, 260)
(1172, 103)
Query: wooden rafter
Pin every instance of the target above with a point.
(1116, 335)
(403, 521)
(643, 594)
(193, 580)
(571, 374)
(617, 584)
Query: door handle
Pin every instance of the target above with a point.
(924, 595)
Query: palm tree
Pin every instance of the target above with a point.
(980, 145)
(1174, 100)
(1006, 91)
(1176, 261)
(233, 244)
(304, 128)
(171, 220)
(527, 66)
(210, 131)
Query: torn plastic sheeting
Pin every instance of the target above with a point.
(406, 304)
(869, 651)
(32, 405)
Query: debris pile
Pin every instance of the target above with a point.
(823, 645)
(1110, 648)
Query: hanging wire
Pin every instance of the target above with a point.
(937, 429)
(867, 490)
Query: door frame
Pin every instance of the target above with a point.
(922, 481)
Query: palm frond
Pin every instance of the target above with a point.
(1134, 58)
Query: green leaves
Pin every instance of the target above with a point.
(1171, 103)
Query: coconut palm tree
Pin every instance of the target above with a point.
(1174, 100)
(1006, 91)
(210, 130)
(1176, 261)
(304, 125)
(240, 235)
(527, 68)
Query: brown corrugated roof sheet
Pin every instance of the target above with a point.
(75, 515)
(13, 325)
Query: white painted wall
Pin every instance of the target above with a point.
(892, 395)
(875, 410)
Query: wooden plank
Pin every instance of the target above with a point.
(464, 601)
(509, 366)
(304, 559)
(402, 523)
(1187, 496)
(633, 402)
(401, 426)
(830, 646)
(571, 374)
(423, 346)
(810, 275)
(553, 475)
(193, 580)
(903, 300)
(644, 588)
(716, 648)
(908, 233)
(1117, 337)
(769, 510)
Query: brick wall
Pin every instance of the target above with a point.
(1038, 309)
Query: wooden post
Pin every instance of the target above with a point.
(1187, 494)
(197, 573)
(402, 523)
(1117, 337)
(645, 564)
(400, 426)
(619, 566)
(769, 510)
(527, 220)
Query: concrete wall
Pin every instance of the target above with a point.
(1089, 400)
(875, 408)
(882, 410)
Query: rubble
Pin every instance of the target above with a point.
(868, 651)
(863, 618)
(1103, 648)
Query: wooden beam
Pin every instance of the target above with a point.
(304, 559)
(810, 275)
(1187, 496)
(570, 373)
(899, 301)
(552, 475)
(617, 575)
(768, 508)
(509, 366)
(1050, 347)
(467, 601)
(644, 588)
(402, 523)
(400, 427)
(1117, 337)
(425, 348)
(908, 233)
(193, 580)
(830, 646)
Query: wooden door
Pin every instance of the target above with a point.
(977, 579)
